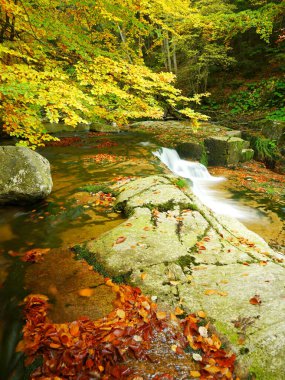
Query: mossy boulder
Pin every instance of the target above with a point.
(24, 177)
(225, 150)
(61, 127)
(106, 128)
(191, 150)
(198, 260)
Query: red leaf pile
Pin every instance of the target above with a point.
(86, 349)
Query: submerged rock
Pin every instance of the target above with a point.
(24, 177)
(201, 261)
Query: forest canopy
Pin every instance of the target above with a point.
(87, 61)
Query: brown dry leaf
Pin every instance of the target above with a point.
(255, 300)
(121, 314)
(147, 228)
(161, 315)
(201, 314)
(195, 373)
(85, 292)
(120, 239)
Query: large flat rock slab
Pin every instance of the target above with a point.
(175, 248)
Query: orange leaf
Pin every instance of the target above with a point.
(209, 292)
(143, 276)
(201, 314)
(120, 239)
(161, 315)
(85, 292)
(178, 311)
(74, 329)
(255, 300)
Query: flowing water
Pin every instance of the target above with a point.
(66, 217)
(258, 214)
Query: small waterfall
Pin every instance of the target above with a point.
(203, 184)
(183, 168)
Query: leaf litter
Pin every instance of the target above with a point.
(102, 349)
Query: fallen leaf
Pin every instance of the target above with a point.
(143, 276)
(195, 373)
(178, 311)
(209, 292)
(174, 347)
(212, 369)
(201, 314)
(263, 262)
(121, 314)
(203, 331)
(197, 357)
(85, 292)
(161, 315)
(255, 300)
(120, 239)
(223, 294)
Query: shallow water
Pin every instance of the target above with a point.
(63, 220)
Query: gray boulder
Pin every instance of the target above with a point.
(24, 176)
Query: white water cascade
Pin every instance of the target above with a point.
(203, 185)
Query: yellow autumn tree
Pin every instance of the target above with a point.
(76, 61)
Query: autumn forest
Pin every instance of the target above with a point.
(142, 189)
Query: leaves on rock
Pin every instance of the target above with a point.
(255, 300)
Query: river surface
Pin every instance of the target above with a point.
(63, 219)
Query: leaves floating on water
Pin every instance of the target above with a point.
(35, 255)
(85, 292)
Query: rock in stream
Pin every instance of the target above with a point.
(201, 261)
(24, 176)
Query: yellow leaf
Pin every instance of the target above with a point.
(201, 314)
(178, 311)
(161, 315)
(195, 373)
(121, 314)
